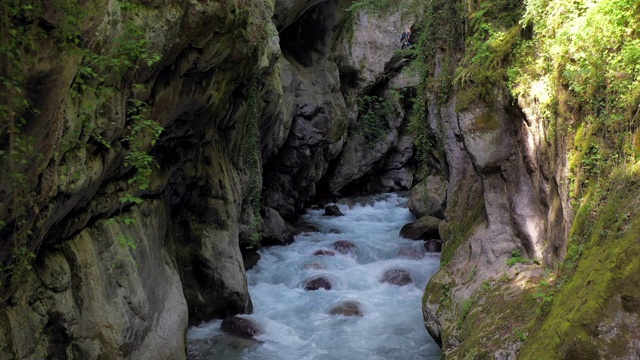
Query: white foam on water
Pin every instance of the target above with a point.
(296, 324)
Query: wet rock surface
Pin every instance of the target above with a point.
(240, 327)
(427, 227)
(317, 283)
(274, 229)
(322, 252)
(332, 210)
(345, 247)
(410, 252)
(397, 277)
(347, 308)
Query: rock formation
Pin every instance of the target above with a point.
(148, 150)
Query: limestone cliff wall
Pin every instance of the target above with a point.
(523, 272)
(127, 287)
(119, 270)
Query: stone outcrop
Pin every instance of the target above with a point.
(332, 210)
(126, 287)
(122, 268)
(429, 197)
(499, 190)
(425, 228)
(274, 230)
(323, 74)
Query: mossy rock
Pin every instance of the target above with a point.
(590, 312)
(486, 122)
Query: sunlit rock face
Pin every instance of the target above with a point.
(499, 195)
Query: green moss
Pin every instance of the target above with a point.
(464, 98)
(493, 319)
(486, 122)
(608, 273)
(457, 231)
(636, 143)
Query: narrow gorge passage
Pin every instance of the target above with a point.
(297, 323)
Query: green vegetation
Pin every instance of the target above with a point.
(253, 159)
(578, 66)
(466, 307)
(516, 258)
(603, 285)
(492, 33)
(374, 116)
(372, 5)
(101, 72)
(438, 34)
(586, 72)
(382, 6)
(455, 232)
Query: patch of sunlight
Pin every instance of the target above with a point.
(528, 278)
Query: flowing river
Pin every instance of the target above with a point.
(297, 324)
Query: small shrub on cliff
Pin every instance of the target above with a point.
(516, 258)
(373, 122)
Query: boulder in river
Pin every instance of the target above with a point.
(317, 283)
(347, 308)
(250, 259)
(274, 229)
(397, 277)
(305, 229)
(433, 245)
(345, 247)
(332, 210)
(240, 327)
(424, 228)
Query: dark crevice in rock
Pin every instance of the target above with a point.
(306, 39)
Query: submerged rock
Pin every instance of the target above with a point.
(305, 229)
(314, 266)
(410, 253)
(397, 277)
(345, 247)
(322, 252)
(332, 210)
(240, 327)
(317, 283)
(347, 308)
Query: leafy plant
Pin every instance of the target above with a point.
(100, 70)
(373, 120)
(516, 258)
(253, 159)
(486, 286)
(573, 255)
(466, 307)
